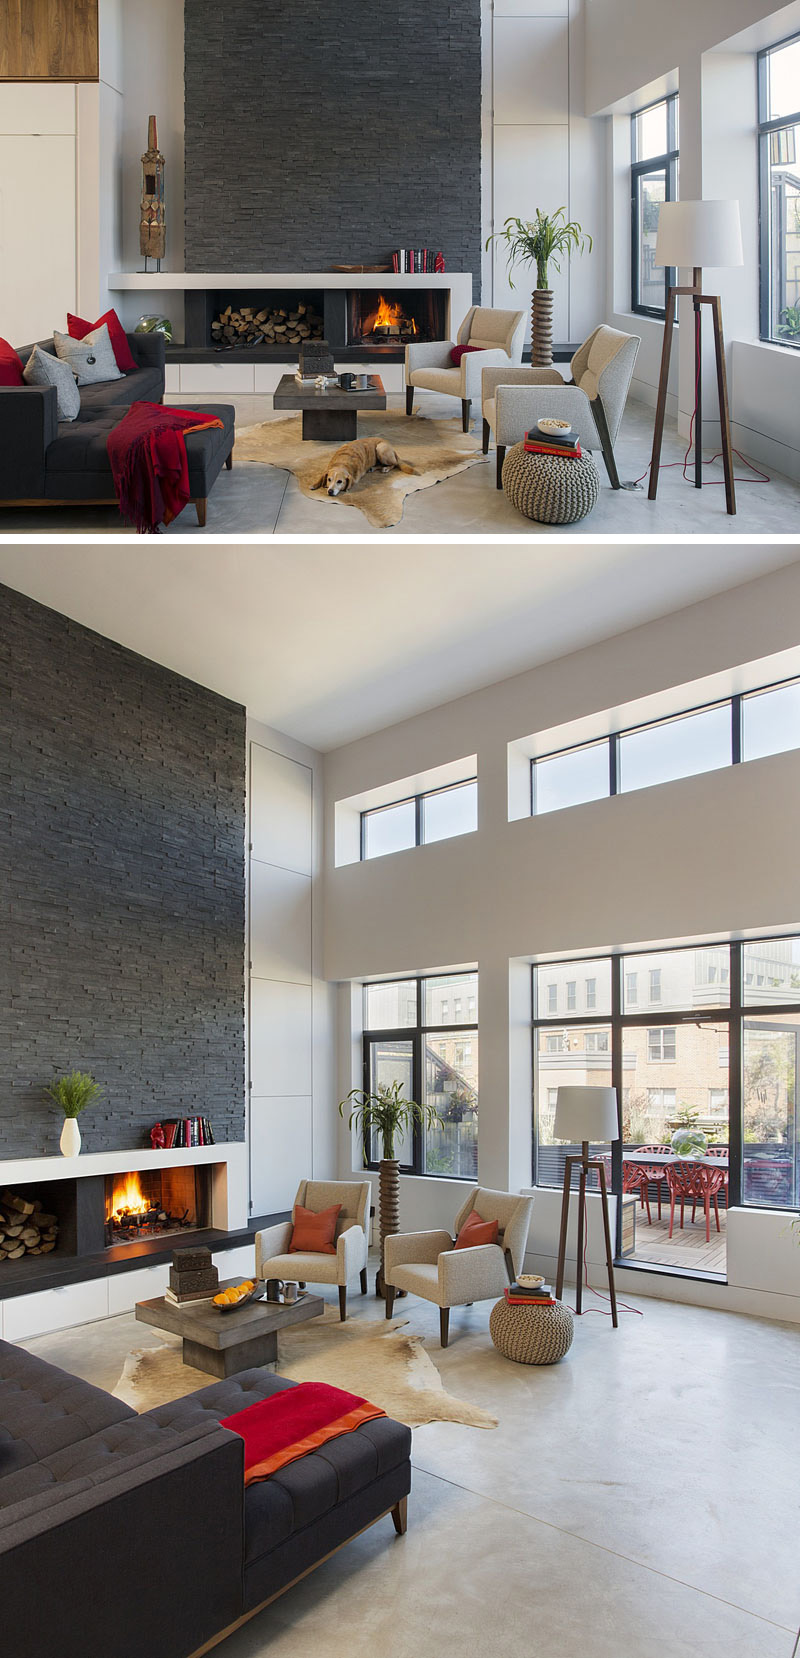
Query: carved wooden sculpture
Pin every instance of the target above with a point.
(153, 215)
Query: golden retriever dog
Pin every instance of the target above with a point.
(349, 464)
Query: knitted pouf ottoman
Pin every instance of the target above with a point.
(548, 489)
(531, 1335)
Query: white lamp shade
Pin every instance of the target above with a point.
(586, 1114)
(699, 234)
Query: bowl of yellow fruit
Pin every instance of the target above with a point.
(237, 1295)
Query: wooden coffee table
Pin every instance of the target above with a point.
(328, 413)
(224, 1343)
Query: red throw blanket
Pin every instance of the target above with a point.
(290, 1424)
(147, 451)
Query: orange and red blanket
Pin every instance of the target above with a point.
(290, 1424)
(147, 451)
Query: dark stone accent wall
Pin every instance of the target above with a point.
(122, 837)
(331, 133)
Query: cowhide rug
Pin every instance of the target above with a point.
(385, 1365)
(437, 448)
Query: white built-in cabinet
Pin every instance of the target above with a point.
(280, 977)
(38, 209)
(23, 1317)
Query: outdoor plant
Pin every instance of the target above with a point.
(689, 1142)
(790, 322)
(542, 242)
(386, 1113)
(74, 1092)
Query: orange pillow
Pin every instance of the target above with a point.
(476, 1231)
(314, 1233)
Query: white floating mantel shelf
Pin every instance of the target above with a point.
(185, 281)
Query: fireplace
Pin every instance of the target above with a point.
(393, 318)
(154, 1203)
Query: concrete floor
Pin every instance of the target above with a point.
(638, 1500)
(262, 500)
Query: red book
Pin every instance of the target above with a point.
(529, 1300)
(553, 449)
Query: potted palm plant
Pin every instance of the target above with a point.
(73, 1093)
(543, 241)
(386, 1113)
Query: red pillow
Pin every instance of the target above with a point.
(78, 330)
(460, 351)
(476, 1231)
(314, 1232)
(11, 366)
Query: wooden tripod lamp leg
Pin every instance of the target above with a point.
(581, 1215)
(562, 1241)
(661, 406)
(724, 413)
(612, 1289)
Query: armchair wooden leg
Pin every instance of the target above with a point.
(444, 1325)
(501, 455)
(409, 400)
(466, 405)
(343, 1302)
(607, 446)
(363, 1280)
(389, 1299)
(487, 432)
(400, 1516)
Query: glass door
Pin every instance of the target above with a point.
(771, 1138)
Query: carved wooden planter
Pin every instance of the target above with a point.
(542, 328)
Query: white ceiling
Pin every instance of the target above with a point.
(327, 642)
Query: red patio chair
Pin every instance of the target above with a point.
(638, 1177)
(698, 1183)
(721, 1151)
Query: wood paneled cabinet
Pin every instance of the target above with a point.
(49, 40)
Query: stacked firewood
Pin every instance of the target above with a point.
(25, 1229)
(247, 326)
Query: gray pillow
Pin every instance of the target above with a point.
(43, 370)
(91, 359)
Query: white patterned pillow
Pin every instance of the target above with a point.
(91, 359)
(43, 370)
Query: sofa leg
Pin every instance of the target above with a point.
(409, 400)
(400, 1516)
(501, 455)
(229, 462)
(201, 507)
(363, 1280)
(389, 1298)
(343, 1302)
(444, 1325)
(466, 405)
(487, 432)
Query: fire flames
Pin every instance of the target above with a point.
(390, 315)
(126, 1197)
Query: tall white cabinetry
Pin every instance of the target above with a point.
(280, 977)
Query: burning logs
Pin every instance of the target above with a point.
(247, 326)
(25, 1229)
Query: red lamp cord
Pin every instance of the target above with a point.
(760, 477)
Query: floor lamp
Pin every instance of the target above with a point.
(587, 1115)
(695, 234)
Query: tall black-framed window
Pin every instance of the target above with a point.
(719, 1042)
(654, 179)
(423, 1032)
(725, 733)
(779, 191)
(419, 819)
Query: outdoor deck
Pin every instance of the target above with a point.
(686, 1248)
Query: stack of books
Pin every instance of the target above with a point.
(546, 443)
(188, 1131)
(417, 261)
(518, 1295)
(192, 1277)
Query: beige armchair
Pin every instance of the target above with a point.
(272, 1245)
(428, 1264)
(497, 334)
(593, 401)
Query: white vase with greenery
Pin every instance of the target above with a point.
(72, 1093)
(543, 241)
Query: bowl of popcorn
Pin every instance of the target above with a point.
(529, 1280)
(553, 427)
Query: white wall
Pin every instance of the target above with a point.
(701, 856)
(542, 153)
(291, 1129)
